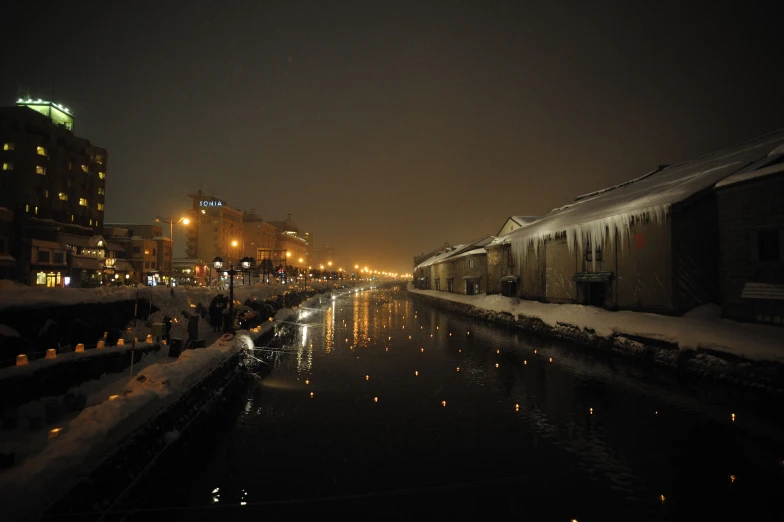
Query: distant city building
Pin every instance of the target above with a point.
(292, 246)
(215, 230)
(148, 250)
(191, 272)
(52, 186)
(322, 255)
(256, 234)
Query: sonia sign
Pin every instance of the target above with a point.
(204, 203)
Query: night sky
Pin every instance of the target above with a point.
(387, 128)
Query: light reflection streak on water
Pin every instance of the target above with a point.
(355, 319)
(329, 334)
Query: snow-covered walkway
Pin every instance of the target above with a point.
(117, 406)
(701, 328)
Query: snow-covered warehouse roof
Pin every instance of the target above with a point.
(477, 244)
(775, 167)
(599, 215)
(523, 220)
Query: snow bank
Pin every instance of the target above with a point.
(15, 295)
(702, 328)
(98, 429)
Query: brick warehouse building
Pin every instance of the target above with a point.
(650, 244)
(51, 180)
(751, 232)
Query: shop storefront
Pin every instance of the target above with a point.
(51, 279)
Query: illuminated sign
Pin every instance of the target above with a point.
(204, 203)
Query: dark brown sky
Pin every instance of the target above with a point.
(387, 128)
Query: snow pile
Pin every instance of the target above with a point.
(702, 328)
(15, 295)
(100, 428)
(7, 331)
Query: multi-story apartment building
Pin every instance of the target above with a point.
(215, 230)
(52, 186)
(48, 173)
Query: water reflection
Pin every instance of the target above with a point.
(489, 421)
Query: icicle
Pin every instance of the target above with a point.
(599, 234)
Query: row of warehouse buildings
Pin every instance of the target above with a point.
(706, 230)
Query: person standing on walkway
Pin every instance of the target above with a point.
(193, 329)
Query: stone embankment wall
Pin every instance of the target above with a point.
(707, 364)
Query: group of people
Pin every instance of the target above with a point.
(219, 314)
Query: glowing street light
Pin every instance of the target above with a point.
(171, 221)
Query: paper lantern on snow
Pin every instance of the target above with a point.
(79, 347)
(51, 353)
(21, 360)
(121, 342)
(149, 339)
(100, 344)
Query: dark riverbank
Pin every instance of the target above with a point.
(765, 376)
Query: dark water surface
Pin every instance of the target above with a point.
(416, 412)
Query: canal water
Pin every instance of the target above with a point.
(384, 407)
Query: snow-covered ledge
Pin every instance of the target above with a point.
(700, 329)
(31, 486)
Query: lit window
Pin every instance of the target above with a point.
(8, 166)
(36, 211)
(91, 222)
(100, 206)
(82, 202)
(41, 151)
(40, 278)
(27, 208)
(72, 217)
(40, 170)
(85, 169)
(101, 191)
(63, 196)
(8, 146)
(46, 193)
(101, 175)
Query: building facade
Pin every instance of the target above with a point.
(48, 172)
(52, 189)
(751, 232)
(256, 234)
(215, 230)
(149, 252)
(650, 244)
(292, 246)
(460, 269)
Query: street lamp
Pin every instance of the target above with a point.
(185, 221)
(218, 264)
(246, 263)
